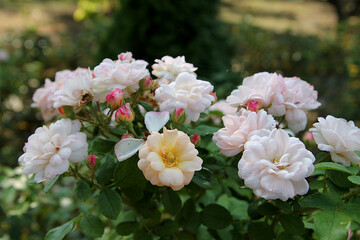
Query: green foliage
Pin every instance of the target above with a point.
(109, 203)
(92, 226)
(60, 232)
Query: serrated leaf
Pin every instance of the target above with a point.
(171, 201)
(109, 203)
(127, 228)
(204, 179)
(215, 216)
(105, 172)
(60, 232)
(354, 179)
(146, 106)
(83, 190)
(92, 226)
(51, 183)
(102, 146)
(327, 201)
(204, 130)
(293, 224)
(331, 225)
(336, 167)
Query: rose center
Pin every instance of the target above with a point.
(169, 159)
(279, 165)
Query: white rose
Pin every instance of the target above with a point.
(168, 68)
(49, 150)
(76, 90)
(185, 92)
(232, 138)
(339, 137)
(275, 166)
(124, 75)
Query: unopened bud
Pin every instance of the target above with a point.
(215, 97)
(148, 82)
(308, 137)
(115, 98)
(178, 116)
(126, 136)
(92, 161)
(62, 111)
(253, 105)
(124, 113)
(195, 139)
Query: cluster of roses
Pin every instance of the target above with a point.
(273, 163)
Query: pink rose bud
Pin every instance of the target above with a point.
(253, 105)
(215, 97)
(92, 161)
(124, 113)
(195, 139)
(148, 83)
(178, 116)
(115, 98)
(308, 136)
(62, 111)
(126, 136)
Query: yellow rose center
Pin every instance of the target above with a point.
(168, 158)
(276, 161)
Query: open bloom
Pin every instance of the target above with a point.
(122, 74)
(339, 137)
(44, 97)
(275, 165)
(49, 150)
(168, 68)
(232, 138)
(261, 87)
(76, 91)
(169, 159)
(185, 92)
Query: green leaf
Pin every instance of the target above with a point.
(215, 216)
(204, 130)
(109, 203)
(354, 179)
(92, 226)
(102, 146)
(331, 225)
(69, 112)
(204, 179)
(51, 183)
(339, 179)
(166, 228)
(83, 190)
(216, 113)
(336, 167)
(267, 209)
(189, 209)
(60, 232)
(327, 201)
(260, 231)
(146, 106)
(293, 224)
(127, 228)
(127, 174)
(171, 201)
(237, 207)
(104, 173)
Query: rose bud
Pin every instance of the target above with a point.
(178, 116)
(115, 98)
(215, 97)
(62, 111)
(92, 161)
(126, 136)
(124, 113)
(195, 139)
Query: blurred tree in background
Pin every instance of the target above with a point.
(151, 29)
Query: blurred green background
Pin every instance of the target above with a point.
(228, 40)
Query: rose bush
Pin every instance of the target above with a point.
(150, 158)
